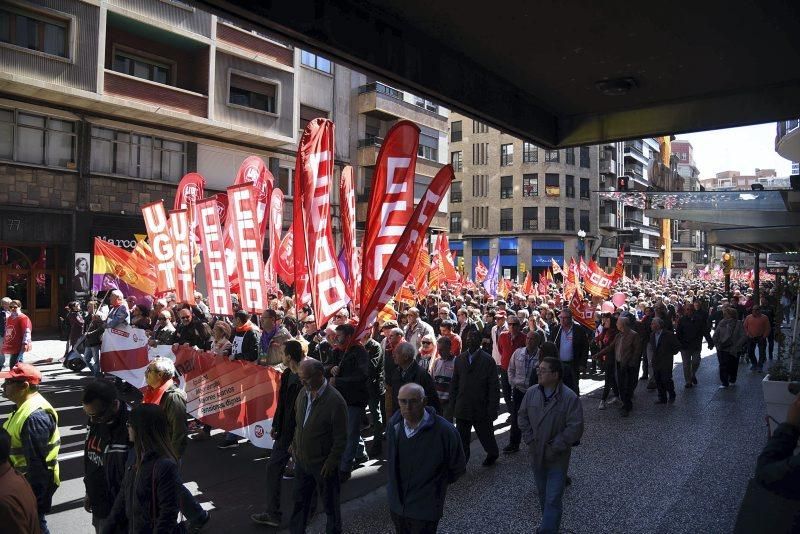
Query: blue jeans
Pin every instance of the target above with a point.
(355, 443)
(550, 482)
(92, 357)
(13, 359)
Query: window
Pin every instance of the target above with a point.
(506, 187)
(479, 127)
(551, 220)
(286, 180)
(455, 222)
(316, 62)
(530, 154)
(455, 131)
(584, 188)
(155, 70)
(585, 224)
(530, 185)
(585, 157)
(428, 147)
(480, 217)
(569, 185)
(308, 114)
(136, 155)
(480, 153)
(425, 104)
(569, 156)
(34, 30)
(31, 138)
(254, 94)
(569, 218)
(551, 185)
(456, 160)
(677, 256)
(455, 192)
(506, 219)
(506, 154)
(530, 218)
(480, 185)
(551, 156)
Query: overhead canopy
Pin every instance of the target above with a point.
(749, 221)
(545, 71)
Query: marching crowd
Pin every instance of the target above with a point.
(420, 383)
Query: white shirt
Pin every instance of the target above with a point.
(411, 432)
(311, 400)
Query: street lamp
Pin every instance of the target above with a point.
(663, 259)
(581, 243)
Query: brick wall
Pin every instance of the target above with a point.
(31, 186)
(114, 195)
(250, 42)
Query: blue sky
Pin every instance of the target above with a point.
(737, 149)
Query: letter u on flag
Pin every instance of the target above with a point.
(157, 224)
(313, 239)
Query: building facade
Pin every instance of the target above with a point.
(106, 104)
(688, 244)
(515, 200)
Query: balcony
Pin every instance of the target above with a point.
(638, 250)
(608, 166)
(388, 104)
(370, 145)
(646, 228)
(635, 151)
(787, 140)
(608, 220)
(155, 94)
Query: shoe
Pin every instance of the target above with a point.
(200, 436)
(687, 385)
(228, 445)
(364, 458)
(643, 377)
(723, 386)
(344, 476)
(376, 449)
(194, 528)
(508, 449)
(266, 518)
(602, 405)
(694, 381)
(660, 401)
(490, 460)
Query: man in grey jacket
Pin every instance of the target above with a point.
(551, 420)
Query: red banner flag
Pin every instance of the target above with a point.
(555, 267)
(582, 311)
(285, 260)
(190, 190)
(219, 294)
(313, 244)
(619, 268)
(449, 268)
(157, 224)
(597, 282)
(582, 268)
(527, 287)
(182, 244)
(405, 253)
(347, 199)
(573, 279)
(542, 284)
(480, 272)
(423, 265)
(246, 239)
(391, 203)
(275, 226)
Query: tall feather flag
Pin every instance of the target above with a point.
(490, 282)
(348, 255)
(480, 271)
(449, 268)
(554, 266)
(527, 287)
(619, 268)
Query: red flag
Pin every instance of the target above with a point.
(480, 272)
(582, 268)
(155, 220)
(573, 279)
(619, 268)
(390, 205)
(582, 311)
(275, 226)
(182, 244)
(597, 282)
(313, 243)
(422, 268)
(437, 271)
(527, 287)
(190, 189)
(548, 275)
(219, 294)
(347, 199)
(249, 261)
(542, 284)
(555, 267)
(405, 253)
(285, 261)
(450, 273)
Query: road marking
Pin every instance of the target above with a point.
(69, 456)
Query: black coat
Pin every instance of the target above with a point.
(690, 332)
(284, 421)
(418, 375)
(474, 389)
(195, 333)
(105, 456)
(580, 344)
(376, 383)
(668, 346)
(147, 511)
(351, 381)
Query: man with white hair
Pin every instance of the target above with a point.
(4, 304)
(118, 314)
(417, 328)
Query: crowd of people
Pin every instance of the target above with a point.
(420, 383)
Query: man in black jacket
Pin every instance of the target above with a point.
(283, 425)
(376, 387)
(663, 345)
(573, 349)
(190, 330)
(475, 397)
(690, 333)
(349, 377)
(407, 370)
(245, 338)
(106, 449)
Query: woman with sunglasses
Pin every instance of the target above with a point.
(148, 500)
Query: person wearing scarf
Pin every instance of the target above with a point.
(427, 354)
(245, 338)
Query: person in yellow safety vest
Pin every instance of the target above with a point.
(33, 427)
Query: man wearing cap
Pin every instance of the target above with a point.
(509, 341)
(33, 427)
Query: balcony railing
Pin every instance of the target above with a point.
(530, 224)
(378, 87)
(552, 224)
(608, 220)
(506, 225)
(370, 141)
(156, 94)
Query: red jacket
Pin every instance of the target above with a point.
(507, 345)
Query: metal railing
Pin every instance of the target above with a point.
(552, 224)
(370, 141)
(530, 224)
(378, 87)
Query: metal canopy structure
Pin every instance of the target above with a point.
(562, 73)
(748, 221)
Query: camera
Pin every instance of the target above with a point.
(794, 388)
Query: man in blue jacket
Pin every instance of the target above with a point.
(425, 456)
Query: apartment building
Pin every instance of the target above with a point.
(521, 202)
(106, 104)
(735, 180)
(689, 250)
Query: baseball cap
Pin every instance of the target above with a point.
(23, 371)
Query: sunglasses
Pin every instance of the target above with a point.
(427, 343)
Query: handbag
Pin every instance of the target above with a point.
(763, 510)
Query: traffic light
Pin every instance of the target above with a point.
(522, 267)
(461, 264)
(727, 262)
(622, 183)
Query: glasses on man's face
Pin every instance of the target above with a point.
(427, 343)
(185, 318)
(543, 370)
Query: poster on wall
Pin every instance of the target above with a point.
(81, 279)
